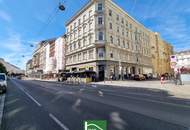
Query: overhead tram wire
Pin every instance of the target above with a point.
(49, 20)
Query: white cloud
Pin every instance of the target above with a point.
(5, 16)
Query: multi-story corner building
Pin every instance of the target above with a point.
(183, 59)
(104, 38)
(161, 52)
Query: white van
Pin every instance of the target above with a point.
(3, 82)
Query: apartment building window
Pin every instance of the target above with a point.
(124, 44)
(84, 18)
(110, 25)
(84, 41)
(79, 57)
(70, 47)
(118, 41)
(118, 29)
(111, 55)
(90, 25)
(79, 43)
(110, 12)
(100, 36)
(127, 24)
(84, 28)
(85, 55)
(111, 39)
(117, 17)
(74, 44)
(127, 45)
(122, 21)
(74, 58)
(100, 20)
(75, 25)
(90, 13)
(91, 56)
(71, 28)
(90, 39)
(101, 55)
(79, 21)
(123, 32)
(100, 6)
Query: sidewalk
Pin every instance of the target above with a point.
(180, 91)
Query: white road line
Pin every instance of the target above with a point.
(22, 89)
(33, 99)
(2, 103)
(58, 122)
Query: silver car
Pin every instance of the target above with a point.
(3, 82)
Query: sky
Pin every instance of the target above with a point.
(26, 22)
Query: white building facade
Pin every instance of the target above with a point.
(104, 38)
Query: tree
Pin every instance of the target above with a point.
(2, 68)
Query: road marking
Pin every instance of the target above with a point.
(2, 103)
(22, 89)
(58, 122)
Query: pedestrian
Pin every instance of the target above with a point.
(162, 79)
(178, 77)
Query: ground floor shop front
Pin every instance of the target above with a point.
(111, 69)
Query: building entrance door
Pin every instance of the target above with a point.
(101, 72)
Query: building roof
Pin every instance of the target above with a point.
(81, 10)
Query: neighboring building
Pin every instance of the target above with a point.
(104, 38)
(55, 55)
(183, 59)
(38, 60)
(28, 71)
(48, 58)
(161, 52)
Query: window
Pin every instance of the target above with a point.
(79, 22)
(110, 25)
(118, 41)
(84, 41)
(79, 57)
(101, 55)
(90, 39)
(75, 25)
(84, 28)
(124, 44)
(110, 12)
(74, 44)
(85, 55)
(111, 39)
(100, 6)
(100, 20)
(122, 21)
(90, 13)
(101, 36)
(118, 29)
(111, 55)
(79, 44)
(84, 18)
(91, 56)
(117, 17)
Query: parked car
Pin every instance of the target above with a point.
(3, 82)
(139, 77)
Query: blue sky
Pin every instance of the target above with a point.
(21, 22)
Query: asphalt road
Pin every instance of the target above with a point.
(36, 105)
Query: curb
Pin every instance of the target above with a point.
(2, 102)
